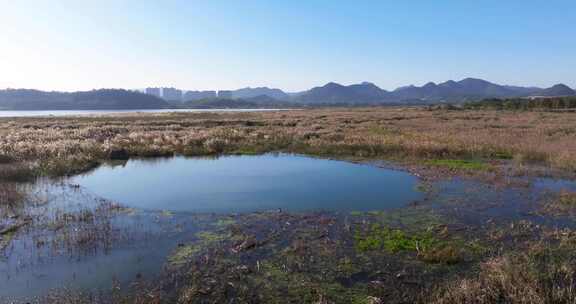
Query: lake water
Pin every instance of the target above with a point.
(135, 244)
(59, 113)
(250, 183)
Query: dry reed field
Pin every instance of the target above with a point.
(62, 145)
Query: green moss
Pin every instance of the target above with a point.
(427, 246)
(185, 253)
(393, 240)
(182, 255)
(209, 236)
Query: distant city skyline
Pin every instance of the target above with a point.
(67, 45)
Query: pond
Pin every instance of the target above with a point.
(232, 184)
(120, 222)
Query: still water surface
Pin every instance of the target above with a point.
(135, 244)
(58, 113)
(251, 183)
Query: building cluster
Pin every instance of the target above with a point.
(176, 95)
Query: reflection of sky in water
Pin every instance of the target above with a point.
(140, 242)
(226, 184)
(476, 202)
(250, 183)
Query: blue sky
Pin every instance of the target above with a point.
(292, 45)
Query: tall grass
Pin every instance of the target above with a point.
(527, 278)
(11, 195)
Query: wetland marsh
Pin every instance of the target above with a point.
(216, 207)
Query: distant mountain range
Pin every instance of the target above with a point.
(365, 93)
(105, 99)
(468, 89)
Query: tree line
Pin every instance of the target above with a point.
(525, 104)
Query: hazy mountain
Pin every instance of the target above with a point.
(468, 88)
(261, 91)
(473, 89)
(557, 90)
(336, 93)
(524, 91)
(366, 93)
(104, 99)
(455, 91)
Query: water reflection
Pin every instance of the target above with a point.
(250, 183)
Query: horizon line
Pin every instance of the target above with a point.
(274, 87)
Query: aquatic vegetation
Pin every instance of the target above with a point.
(210, 236)
(418, 232)
(405, 218)
(17, 172)
(185, 253)
(392, 240)
(182, 255)
(11, 195)
(8, 233)
(563, 203)
(459, 164)
(427, 248)
(224, 222)
(397, 256)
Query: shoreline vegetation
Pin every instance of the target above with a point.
(411, 255)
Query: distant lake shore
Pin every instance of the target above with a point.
(40, 113)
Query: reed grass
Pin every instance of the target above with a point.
(57, 144)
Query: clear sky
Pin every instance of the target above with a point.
(292, 44)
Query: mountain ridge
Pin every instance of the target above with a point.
(467, 89)
(332, 93)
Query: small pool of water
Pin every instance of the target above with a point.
(234, 184)
(126, 245)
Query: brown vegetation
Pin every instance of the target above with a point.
(65, 145)
(320, 259)
(533, 277)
